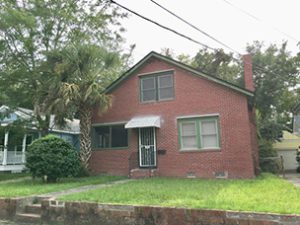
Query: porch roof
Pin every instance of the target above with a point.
(140, 122)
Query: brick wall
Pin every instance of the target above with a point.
(193, 96)
(82, 213)
(8, 208)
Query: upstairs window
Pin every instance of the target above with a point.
(157, 87)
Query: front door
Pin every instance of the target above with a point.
(147, 147)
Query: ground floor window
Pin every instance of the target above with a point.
(110, 136)
(199, 133)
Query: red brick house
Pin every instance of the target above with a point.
(169, 119)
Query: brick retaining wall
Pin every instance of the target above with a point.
(8, 208)
(84, 213)
(81, 213)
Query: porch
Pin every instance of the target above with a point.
(12, 157)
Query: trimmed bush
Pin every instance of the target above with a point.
(51, 158)
(268, 161)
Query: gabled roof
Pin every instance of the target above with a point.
(21, 112)
(72, 126)
(181, 66)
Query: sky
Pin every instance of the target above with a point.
(275, 21)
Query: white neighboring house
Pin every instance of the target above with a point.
(12, 155)
(289, 144)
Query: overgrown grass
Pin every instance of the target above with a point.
(11, 176)
(267, 193)
(33, 187)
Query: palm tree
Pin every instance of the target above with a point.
(82, 73)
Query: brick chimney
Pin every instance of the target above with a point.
(248, 75)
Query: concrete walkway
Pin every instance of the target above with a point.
(6, 222)
(293, 178)
(9, 222)
(82, 189)
(15, 180)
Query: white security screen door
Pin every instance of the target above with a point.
(147, 147)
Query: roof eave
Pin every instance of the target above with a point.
(180, 65)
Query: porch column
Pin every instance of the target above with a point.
(5, 148)
(24, 148)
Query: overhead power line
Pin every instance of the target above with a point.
(162, 26)
(196, 28)
(258, 67)
(187, 37)
(260, 20)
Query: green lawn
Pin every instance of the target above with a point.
(33, 187)
(11, 176)
(267, 193)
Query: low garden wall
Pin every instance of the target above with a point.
(8, 208)
(83, 213)
(80, 213)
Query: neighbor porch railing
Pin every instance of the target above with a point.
(13, 156)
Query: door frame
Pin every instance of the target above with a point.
(154, 144)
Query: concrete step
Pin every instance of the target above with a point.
(34, 209)
(39, 199)
(28, 218)
(143, 173)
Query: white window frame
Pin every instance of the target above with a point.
(156, 76)
(215, 120)
(181, 135)
(199, 139)
(159, 88)
(151, 89)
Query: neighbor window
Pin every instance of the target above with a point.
(157, 87)
(114, 136)
(199, 133)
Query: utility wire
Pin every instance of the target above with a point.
(162, 26)
(213, 38)
(186, 37)
(259, 20)
(196, 28)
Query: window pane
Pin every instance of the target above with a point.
(189, 142)
(149, 95)
(119, 136)
(148, 83)
(188, 129)
(165, 81)
(209, 141)
(208, 127)
(165, 85)
(102, 137)
(166, 93)
(188, 135)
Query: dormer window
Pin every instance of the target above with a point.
(157, 87)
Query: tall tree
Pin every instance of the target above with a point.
(276, 75)
(30, 29)
(219, 64)
(216, 63)
(82, 73)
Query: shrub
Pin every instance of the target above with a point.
(270, 165)
(51, 158)
(268, 161)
